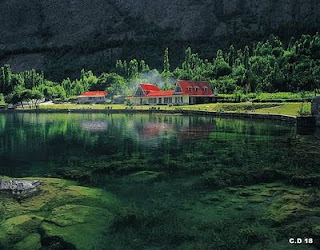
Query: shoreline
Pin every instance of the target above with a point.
(253, 116)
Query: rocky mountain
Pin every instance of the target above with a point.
(62, 36)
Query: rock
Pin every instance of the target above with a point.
(62, 37)
(19, 187)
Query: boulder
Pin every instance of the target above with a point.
(19, 187)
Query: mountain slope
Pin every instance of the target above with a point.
(63, 36)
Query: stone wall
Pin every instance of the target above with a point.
(315, 109)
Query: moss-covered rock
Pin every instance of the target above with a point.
(289, 207)
(316, 230)
(33, 241)
(16, 229)
(61, 214)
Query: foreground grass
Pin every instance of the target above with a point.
(292, 109)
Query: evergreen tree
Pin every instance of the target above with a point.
(166, 64)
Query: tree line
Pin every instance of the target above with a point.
(268, 66)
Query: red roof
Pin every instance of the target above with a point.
(194, 88)
(94, 93)
(153, 90)
(191, 88)
(160, 93)
(146, 87)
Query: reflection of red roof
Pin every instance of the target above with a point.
(154, 129)
(195, 88)
(94, 93)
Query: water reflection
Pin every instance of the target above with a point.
(42, 140)
(149, 130)
(94, 126)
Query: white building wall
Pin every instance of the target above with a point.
(163, 100)
(89, 99)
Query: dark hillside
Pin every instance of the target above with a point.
(61, 37)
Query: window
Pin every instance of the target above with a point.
(152, 100)
(178, 89)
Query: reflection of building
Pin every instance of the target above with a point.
(92, 97)
(185, 92)
(196, 131)
(94, 126)
(151, 129)
(184, 128)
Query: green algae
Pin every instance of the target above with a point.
(32, 241)
(145, 176)
(60, 211)
(14, 230)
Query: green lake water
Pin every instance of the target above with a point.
(183, 182)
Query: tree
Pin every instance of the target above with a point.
(166, 63)
(103, 82)
(5, 79)
(16, 96)
(316, 78)
(2, 100)
(67, 86)
(35, 97)
(78, 88)
(117, 85)
(246, 57)
(221, 67)
(87, 79)
(231, 56)
(133, 68)
(144, 68)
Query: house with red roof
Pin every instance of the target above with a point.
(185, 92)
(91, 97)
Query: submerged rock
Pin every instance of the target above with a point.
(19, 186)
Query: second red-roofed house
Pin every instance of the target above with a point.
(185, 92)
(91, 97)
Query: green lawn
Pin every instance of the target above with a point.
(258, 108)
(84, 106)
(287, 109)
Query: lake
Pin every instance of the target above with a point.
(183, 182)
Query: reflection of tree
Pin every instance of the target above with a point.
(148, 141)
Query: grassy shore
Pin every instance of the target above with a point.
(293, 109)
